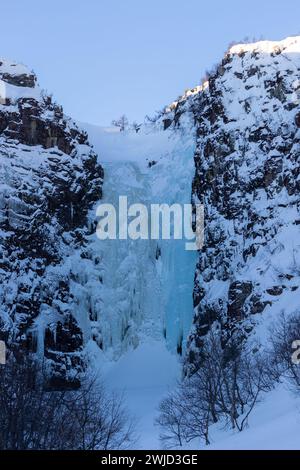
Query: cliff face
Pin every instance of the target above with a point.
(247, 163)
(49, 178)
(60, 286)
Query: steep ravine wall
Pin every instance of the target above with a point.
(248, 178)
(63, 289)
(49, 179)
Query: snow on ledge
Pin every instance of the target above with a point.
(289, 45)
(13, 68)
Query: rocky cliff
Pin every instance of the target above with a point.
(49, 178)
(61, 287)
(247, 164)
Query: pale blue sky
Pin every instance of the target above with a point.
(101, 58)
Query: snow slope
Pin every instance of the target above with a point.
(145, 375)
(273, 425)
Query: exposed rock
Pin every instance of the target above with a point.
(275, 290)
(167, 123)
(237, 295)
(247, 175)
(24, 79)
(49, 177)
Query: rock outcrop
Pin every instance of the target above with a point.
(247, 176)
(49, 178)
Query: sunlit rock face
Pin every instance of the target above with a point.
(247, 163)
(49, 179)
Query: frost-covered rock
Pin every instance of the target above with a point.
(248, 177)
(49, 177)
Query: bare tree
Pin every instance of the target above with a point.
(121, 123)
(34, 418)
(283, 336)
(171, 420)
(244, 380)
(136, 127)
(223, 388)
(101, 419)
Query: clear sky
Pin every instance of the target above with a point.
(102, 58)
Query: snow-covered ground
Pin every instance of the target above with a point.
(145, 375)
(273, 425)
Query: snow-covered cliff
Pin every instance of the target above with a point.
(49, 177)
(247, 177)
(65, 293)
(242, 128)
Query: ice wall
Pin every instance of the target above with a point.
(147, 285)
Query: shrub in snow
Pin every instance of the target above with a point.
(122, 123)
(284, 352)
(224, 388)
(34, 418)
